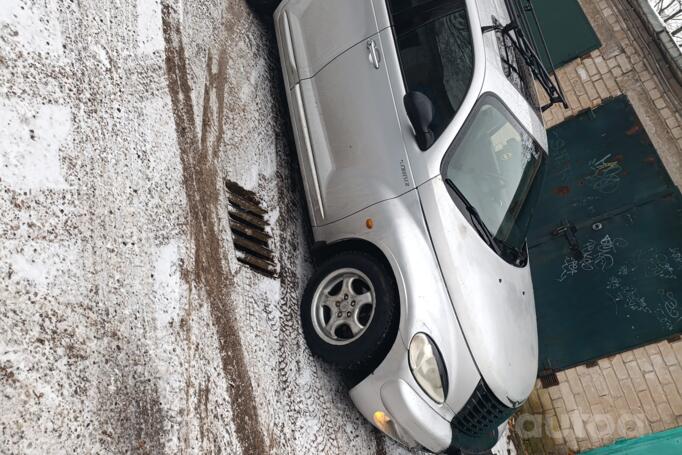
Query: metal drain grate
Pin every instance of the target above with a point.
(548, 379)
(250, 230)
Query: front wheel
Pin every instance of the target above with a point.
(350, 311)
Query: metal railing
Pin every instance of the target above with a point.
(523, 20)
(670, 12)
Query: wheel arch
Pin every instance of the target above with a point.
(324, 250)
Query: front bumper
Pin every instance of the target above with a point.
(414, 423)
(392, 391)
(415, 417)
(414, 420)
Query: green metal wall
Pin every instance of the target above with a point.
(612, 279)
(567, 31)
(664, 443)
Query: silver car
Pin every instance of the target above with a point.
(422, 150)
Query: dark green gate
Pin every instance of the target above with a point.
(567, 31)
(606, 242)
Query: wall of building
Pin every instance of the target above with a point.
(636, 392)
(661, 30)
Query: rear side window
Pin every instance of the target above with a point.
(436, 53)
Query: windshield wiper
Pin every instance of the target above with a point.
(530, 57)
(519, 25)
(478, 224)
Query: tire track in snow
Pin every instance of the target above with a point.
(198, 153)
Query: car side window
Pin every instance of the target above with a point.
(436, 53)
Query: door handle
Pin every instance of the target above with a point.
(374, 54)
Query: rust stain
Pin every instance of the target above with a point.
(198, 152)
(636, 128)
(562, 190)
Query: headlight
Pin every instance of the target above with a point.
(427, 367)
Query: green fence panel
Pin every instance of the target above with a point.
(606, 242)
(566, 30)
(663, 443)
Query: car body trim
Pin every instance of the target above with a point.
(290, 56)
(300, 110)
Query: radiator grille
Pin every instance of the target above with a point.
(482, 414)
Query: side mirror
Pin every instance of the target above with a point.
(420, 112)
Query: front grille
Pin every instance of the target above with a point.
(482, 414)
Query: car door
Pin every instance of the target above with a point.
(358, 152)
(434, 55)
(318, 31)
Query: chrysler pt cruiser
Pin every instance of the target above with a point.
(422, 149)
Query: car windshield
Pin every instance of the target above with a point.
(497, 169)
(436, 53)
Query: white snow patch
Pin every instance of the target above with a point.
(30, 139)
(248, 176)
(102, 56)
(48, 266)
(37, 272)
(23, 365)
(149, 32)
(272, 216)
(35, 24)
(270, 289)
(305, 378)
(167, 283)
(169, 291)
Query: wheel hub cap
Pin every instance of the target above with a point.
(343, 306)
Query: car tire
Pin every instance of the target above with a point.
(266, 7)
(337, 343)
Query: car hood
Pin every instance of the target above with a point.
(492, 299)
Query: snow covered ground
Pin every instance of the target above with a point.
(126, 322)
